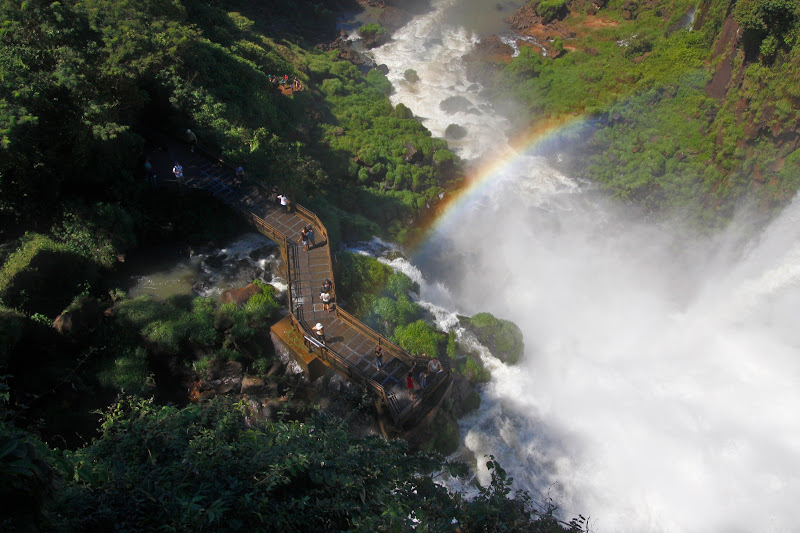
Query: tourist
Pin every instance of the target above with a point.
(237, 179)
(177, 171)
(192, 138)
(410, 385)
(434, 366)
(378, 356)
(320, 331)
(304, 238)
(326, 301)
(327, 286)
(423, 380)
(149, 175)
(273, 195)
(310, 233)
(284, 202)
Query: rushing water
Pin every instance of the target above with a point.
(208, 272)
(661, 376)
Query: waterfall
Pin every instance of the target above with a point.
(660, 378)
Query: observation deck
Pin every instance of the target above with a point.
(350, 344)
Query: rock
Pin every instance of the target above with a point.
(502, 337)
(442, 435)
(81, 317)
(463, 395)
(215, 261)
(523, 18)
(455, 104)
(455, 132)
(411, 75)
(393, 18)
(383, 68)
(251, 384)
(239, 296)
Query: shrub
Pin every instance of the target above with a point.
(371, 30)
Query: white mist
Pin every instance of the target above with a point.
(661, 379)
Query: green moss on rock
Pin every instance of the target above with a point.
(502, 337)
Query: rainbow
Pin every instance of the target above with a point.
(482, 176)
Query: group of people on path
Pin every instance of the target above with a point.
(434, 367)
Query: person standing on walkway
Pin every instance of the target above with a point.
(238, 177)
(423, 380)
(192, 138)
(378, 356)
(410, 385)
(177, 171)
(434, 366)
(310, 233)
(326, 301)
(304, 238)
(273, 196)
(149, 174)
(284, 202)
(320, 331)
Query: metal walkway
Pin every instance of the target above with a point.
(350, 344)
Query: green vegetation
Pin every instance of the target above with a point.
(204, 467)
(502, 337)
(668, 128)
(371, 30)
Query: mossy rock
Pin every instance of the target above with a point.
(444, 436)
(502, 337)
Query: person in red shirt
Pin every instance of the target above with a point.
(410, 385)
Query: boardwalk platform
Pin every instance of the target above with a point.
(350, 344)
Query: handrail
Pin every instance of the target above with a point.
(328, 355)
(379, 339)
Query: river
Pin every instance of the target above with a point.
(660, 377)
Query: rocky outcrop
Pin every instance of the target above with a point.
(486, 60)
(239, 296)
(502, 337)
(393, 18)
(80, 318)
(455, 132)
(463, 395)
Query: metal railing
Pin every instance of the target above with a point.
(331, 357)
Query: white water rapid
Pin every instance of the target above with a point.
(661, 378)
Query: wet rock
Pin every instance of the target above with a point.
(215, 261)
(383, 68)
(455, 132)
(200, 287)
(411, 75)
(239, 296)
(523, 18)
(393, 18)
(502, 337)
(455, 104)
(464, 396)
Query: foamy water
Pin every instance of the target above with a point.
(661, 377)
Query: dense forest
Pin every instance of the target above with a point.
(97, 429)
(686, 108)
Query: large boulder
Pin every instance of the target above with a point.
(239, 296)
(81, 317)
(502, 337)
(463, 395)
